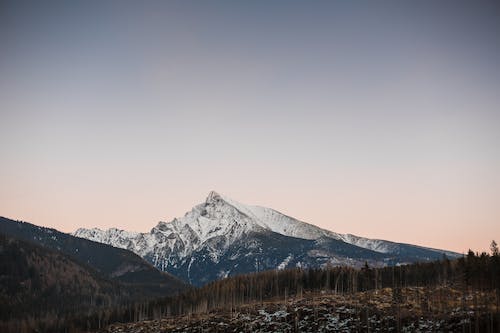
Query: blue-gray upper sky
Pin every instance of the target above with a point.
(376, 118)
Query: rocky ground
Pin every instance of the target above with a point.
(418, 310)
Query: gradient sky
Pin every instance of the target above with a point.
(378, 119)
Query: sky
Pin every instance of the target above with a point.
(380, 119)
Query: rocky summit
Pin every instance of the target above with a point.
(222, 237)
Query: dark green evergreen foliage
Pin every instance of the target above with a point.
(472, 272)
(52, 282)
(37, 283)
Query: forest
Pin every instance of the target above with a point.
(448, 286)
(475, 277)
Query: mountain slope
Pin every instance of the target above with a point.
(223, 237)
(35, 280)
(113, 263)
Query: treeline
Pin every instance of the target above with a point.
(478, 272)
(473, 272)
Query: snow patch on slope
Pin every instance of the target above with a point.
(285, 262)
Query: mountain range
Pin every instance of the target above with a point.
(105, 262)
(222, 237)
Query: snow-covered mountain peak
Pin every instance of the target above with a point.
(220, 200)
(213, 196)
(262, 217)
(221, 231)
(219, 217)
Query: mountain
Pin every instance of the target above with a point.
(119, 265)
(223, 237)
(35, 280)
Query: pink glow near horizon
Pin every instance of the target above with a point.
(380, 120)
(382, 217)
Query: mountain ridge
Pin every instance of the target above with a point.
(215, 229)
(113, 263)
